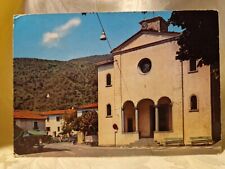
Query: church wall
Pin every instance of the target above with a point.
(197, 123)
(105, 96)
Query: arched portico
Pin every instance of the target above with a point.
(146, 118)
(129, 120)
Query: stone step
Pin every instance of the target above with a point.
(144, 142)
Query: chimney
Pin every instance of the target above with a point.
(157, 24)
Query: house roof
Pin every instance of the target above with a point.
(88, 106)
(57, 112)
(26, 114)
(105, 62)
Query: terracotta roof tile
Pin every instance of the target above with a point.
(26, 114)
(86, 106)
(57, 112)
(105, 62)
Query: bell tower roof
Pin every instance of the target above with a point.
(157, 24)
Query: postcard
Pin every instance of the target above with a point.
(117, 84)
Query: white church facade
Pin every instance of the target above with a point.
(147, 93)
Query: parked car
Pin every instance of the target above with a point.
(73, 139)
(55, 140)
(65, 139)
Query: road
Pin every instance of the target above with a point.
(70, 150)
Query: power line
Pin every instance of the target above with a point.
(103, 30)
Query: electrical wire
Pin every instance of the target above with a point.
(100, 22)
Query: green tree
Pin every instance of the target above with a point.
(200, 36)
(87, 123)
(69, 122)
(200, 41)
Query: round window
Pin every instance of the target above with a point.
(145, 65)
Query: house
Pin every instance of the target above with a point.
(86, 108)
(144, 92)
(28, 120)
(54, 121)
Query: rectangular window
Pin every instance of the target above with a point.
(47, 119)
(192, 65)
(48, 128)
(58, 118)
(58, 128)
(35, 125)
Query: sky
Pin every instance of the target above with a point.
(71, 36)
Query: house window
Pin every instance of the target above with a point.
(108, 80)
(192, 65)
(47, 119)
(194, 103)
(48, 128)
(109, 111)
(58, 128)
(144, 65)
(35, 125)
(58, 118)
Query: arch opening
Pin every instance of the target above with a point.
(129, 116)
(108, 80)
(146, 118)
(109, 110)
(165, 114)
(194, 102)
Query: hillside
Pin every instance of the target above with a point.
(68, 83)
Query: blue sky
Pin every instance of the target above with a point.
(70, 36)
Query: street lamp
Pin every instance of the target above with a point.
(103, 36)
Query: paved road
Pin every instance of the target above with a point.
(70, 150)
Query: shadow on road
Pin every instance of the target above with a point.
(43, 150)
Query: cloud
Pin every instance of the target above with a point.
(51, 39)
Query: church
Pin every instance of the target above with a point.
(146, 93)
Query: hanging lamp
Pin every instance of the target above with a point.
(103, 36)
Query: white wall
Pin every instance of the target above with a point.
(28, 124)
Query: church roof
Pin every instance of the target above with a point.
(105, 62)
(138, 34)
(155, 19)
(154, 28)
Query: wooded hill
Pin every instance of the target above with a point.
(68, 83)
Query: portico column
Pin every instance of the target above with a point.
(156, 119)
(122, 119)
(136, 119)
